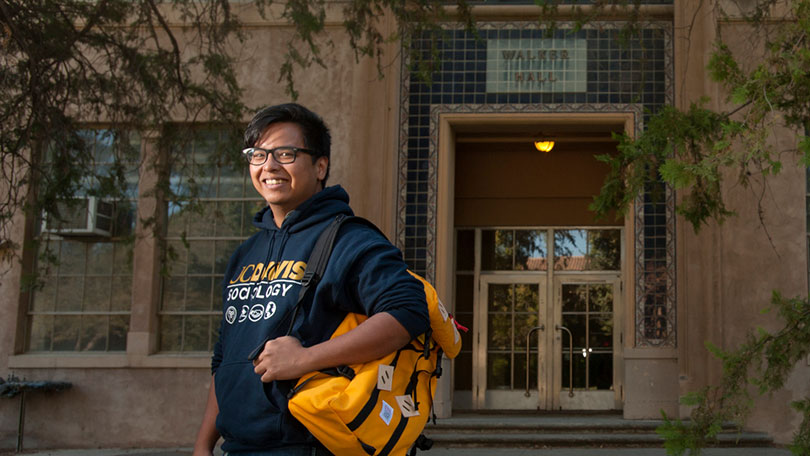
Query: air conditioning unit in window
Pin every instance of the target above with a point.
(90, 216)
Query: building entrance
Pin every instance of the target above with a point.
(544, 336)
(536, 277)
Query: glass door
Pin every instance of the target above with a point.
(587, 343)
(513, 309)
(519, 284)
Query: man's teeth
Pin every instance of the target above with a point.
(272, 181)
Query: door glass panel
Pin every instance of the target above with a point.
(462, 373)
(499, 371)
(465, 250)
(520, 369)
(574, 299)
(464, 298)
(600, 371)
(600, 333)
(500, 332)
(587, 250)
(530, 250)
(497, 248)
(500, 298)
(513, 250)
(575, 324)
(587, 311)
(579, 370)
(523, 324)
(463, 312)
(465, 284)
(604, 250)
(601, 298)
(512, 312)
(570, 247)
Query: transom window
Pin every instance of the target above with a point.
(527, 249)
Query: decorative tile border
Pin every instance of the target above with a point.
(656, 309)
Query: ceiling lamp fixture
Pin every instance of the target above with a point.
(544, 146)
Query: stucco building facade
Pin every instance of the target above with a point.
(615, 312)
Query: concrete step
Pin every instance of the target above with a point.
(539, 440)
(581, 451)
(540, 430)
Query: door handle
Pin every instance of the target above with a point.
(528, 340)
(570, 359)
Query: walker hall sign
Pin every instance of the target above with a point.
(536, 65)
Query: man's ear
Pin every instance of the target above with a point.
(322, 163)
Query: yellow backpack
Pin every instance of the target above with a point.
(380, 407)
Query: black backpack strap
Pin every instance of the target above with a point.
(319, 257)
(316, 265)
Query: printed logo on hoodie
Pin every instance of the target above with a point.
(255, 281)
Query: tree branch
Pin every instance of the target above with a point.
(175, 46)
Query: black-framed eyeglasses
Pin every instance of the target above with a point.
(283, 155)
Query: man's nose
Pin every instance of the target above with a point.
(271, 164)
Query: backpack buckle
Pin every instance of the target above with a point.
(345, 371)
(307, 279)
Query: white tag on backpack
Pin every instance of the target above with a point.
(407, 406)
(387, 413)
(385, 377)
(443, 311)
(456, 335)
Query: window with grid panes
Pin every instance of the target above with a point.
(83, 300)
(202, 237)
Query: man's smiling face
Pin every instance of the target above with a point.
(285, 187)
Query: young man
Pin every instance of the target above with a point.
(288, 150)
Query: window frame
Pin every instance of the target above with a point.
(103, 145)
(142, 349)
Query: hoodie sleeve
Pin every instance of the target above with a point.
(378, 281)
(216, 359)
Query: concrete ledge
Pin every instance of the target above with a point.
(107, 361)
(650, 353)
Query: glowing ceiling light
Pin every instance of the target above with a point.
(544, 146)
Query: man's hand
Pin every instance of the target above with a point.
(282, 359)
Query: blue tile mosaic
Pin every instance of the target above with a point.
(619, 74)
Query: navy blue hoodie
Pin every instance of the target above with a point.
(365, 274)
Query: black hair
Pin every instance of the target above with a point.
(316, 133)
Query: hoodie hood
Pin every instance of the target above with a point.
(325, 204)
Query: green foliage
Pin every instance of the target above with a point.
(686, 150)
(763, 362)
(697, 150)
(801, 439)
(126, 66)
(706, 147)
(149, 66)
